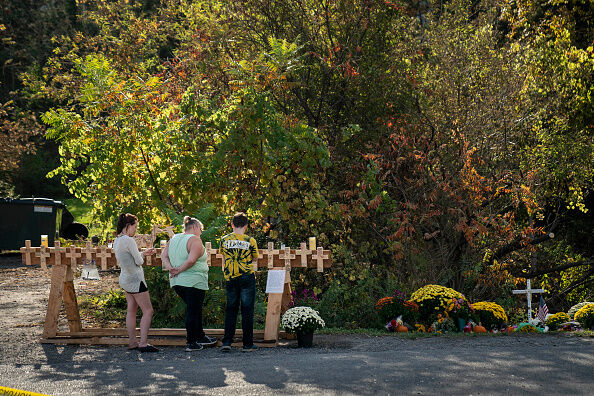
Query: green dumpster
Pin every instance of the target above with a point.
(29, 218)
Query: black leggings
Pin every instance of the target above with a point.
(194, 298)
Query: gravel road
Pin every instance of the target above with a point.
(510, 364)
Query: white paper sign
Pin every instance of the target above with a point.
(276, 281)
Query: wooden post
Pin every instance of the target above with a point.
(43, 254)
(73, 255)
(103, 255)
(70, 304)
(303, 252)
(50, 328)
(208, 252)
(27, 252)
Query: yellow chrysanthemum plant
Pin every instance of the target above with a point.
(433, 300)
(586, 317)
(490, 314)
(555, 320)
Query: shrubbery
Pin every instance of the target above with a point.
(490, 314)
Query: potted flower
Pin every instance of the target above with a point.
(460, 311)
(302, 321)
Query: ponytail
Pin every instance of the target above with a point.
(124, 220)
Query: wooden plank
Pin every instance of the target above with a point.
(287, 297)
(54, 303)
(267, 257)
(70, 304)
(273, 312)
(122, 332)
(153, 341)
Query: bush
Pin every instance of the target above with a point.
(353, 305)
(576, 308)
(586, 316)
(433, 300)
(490, 314)
(556, 319)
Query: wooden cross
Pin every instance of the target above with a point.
(319, 256)
(103, 256)
(303, 252)
(43, 254)
(73, 255)
(157, 230)
(270, 254)
(88, 251)
(27, 251)
(58, 253)
(287, 256)
(529, 291)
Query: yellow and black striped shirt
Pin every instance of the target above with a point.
(239, 251)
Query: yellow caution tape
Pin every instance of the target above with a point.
(17, 392)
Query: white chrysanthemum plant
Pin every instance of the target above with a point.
(302, 320)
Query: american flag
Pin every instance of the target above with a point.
(543, 310)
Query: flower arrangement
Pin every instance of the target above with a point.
(576, 308)
(433, 300)
(490, 314)
(391, 307)
(527, 328)
(555, 320)
(459, 308)
(443, 324)
(586, 316)
(302, 320)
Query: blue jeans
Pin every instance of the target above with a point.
(240, 290)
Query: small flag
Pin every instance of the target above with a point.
(543, 310)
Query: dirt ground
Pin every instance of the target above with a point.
(24, 292)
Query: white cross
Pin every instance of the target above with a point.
(529, 291)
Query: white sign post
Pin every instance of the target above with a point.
(529, 291)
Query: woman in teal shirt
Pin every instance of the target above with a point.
(186, 259)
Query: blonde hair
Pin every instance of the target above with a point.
(189, 222)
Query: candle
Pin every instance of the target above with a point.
(312, 243)
(163, 243)
(44, 241)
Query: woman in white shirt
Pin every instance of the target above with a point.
(132, 281)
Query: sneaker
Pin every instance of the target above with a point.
(193, 346)
(225, 348)
(250, 348)
(206, 341)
